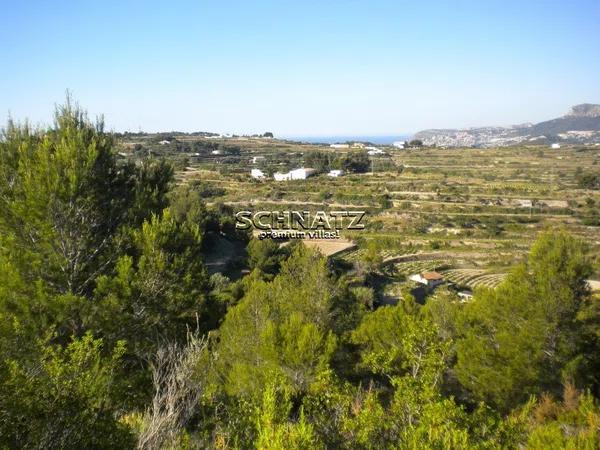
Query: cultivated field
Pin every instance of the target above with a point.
(470, 214)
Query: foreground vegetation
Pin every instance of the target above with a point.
(116, 333)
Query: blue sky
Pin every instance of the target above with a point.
(300, 67)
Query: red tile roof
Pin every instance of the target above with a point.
(432, 276)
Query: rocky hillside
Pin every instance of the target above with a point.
(580, 125)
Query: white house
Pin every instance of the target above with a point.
(339, 146)
(555, 146)
(335, 173)
(255, 159)
(282, 176)
(399, 144)
(297, 174)
(377, 151)
(165, 142)
(302, 173)
(429, 279)
(358, 145)
(257, 173)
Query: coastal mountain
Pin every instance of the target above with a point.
(580, 125)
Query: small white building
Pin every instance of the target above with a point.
(255, 159)
(297, 174)
(335, 173)
(282, 176)
(339, 146)
(429, 279)
(399, 144)
(375, 152)
(217, 152)
(165, 142)
(555, 146)
(358, 145)
(257, 173)
(302, 173)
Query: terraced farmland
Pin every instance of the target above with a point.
(411, 267)
(479, 208)
(357, 254)
(473, 278)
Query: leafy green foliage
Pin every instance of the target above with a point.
(276, 432)
(527, 336)
(394, 342)
(573, 423)
(62, 398)
(353, 162)
(320, 161)
(85, 247)
(65, 203)
(157, 293)
(589, 181)
(371, 260)
(265, 255)
(279, 328)
(103, 281)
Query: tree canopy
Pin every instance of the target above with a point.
(114, 335)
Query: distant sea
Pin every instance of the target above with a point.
(381, 140)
